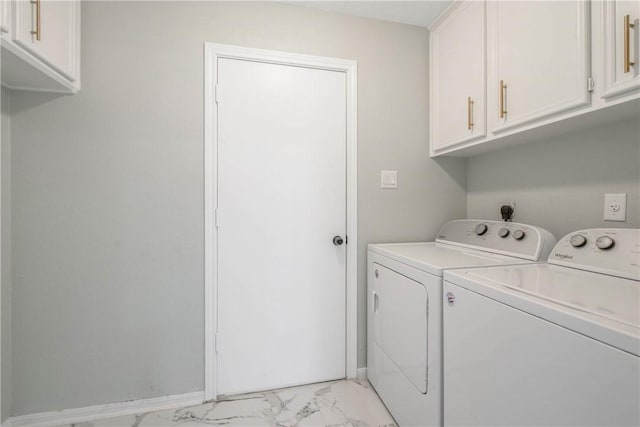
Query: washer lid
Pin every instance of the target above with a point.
(435, 257)
(600, 306)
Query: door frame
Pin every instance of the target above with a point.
(212, 52)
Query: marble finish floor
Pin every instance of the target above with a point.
(351, 403)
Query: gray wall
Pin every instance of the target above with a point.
(559, 184)
(108, 189)
(5, 179)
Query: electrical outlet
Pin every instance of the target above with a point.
(615, 207)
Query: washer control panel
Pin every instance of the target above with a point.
(614, 251)
(508, 238)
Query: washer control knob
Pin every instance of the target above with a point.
(519, 234)
(481, 229)
(578, 240)
(503, 232)
(605, 242)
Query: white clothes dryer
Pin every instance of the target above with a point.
(405, 307)
(547, 344)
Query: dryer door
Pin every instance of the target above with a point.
(400, 322)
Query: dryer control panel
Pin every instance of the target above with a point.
(507, 238)
(613, 251)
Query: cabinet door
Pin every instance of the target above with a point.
(458, 63)
(5, 15)
(540, 51)
(621, 61)
(57, 22)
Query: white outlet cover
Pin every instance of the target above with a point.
(389, 179)
(615, 207)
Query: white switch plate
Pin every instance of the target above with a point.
(615, 207)
(388, 179)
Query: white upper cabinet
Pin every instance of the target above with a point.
(458, 112)
(538, 60)
(48, 29)
(620, 47)
(5, 16)
(41, 45)
(551, 67)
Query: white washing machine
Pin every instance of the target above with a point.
(405, 307)
(547, 344)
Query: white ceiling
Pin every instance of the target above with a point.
(421, 13)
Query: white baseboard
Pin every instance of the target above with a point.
(362, 374)
(92, 413)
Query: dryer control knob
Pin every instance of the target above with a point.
(503, 232)
(578, 240)
(519, 234)
(481, 229)
(605, 242)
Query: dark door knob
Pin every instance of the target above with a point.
(337, 240)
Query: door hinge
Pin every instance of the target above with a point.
(217, 95)
(591, 84)
(216, 216)
(217, 342)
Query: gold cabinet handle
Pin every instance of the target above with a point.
(503, 89)
(469, 113)
(627, 62)
(37, 32)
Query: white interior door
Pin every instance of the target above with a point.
(281, 200)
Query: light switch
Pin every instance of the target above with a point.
(388, 179)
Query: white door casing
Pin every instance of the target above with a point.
(233, 62)
(1, 266)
